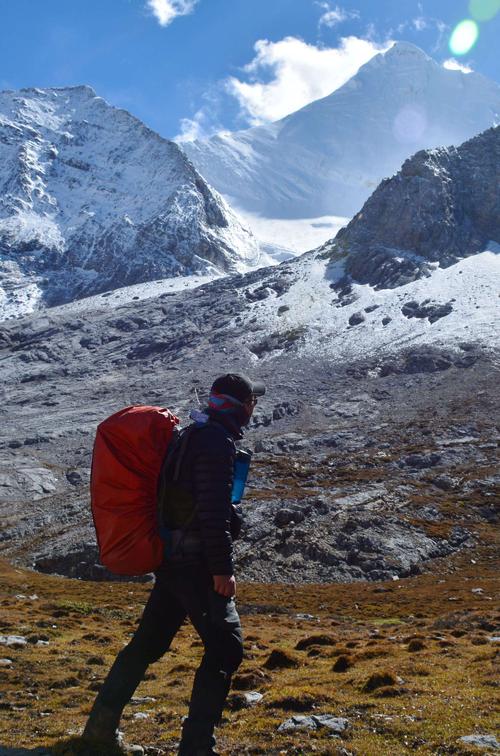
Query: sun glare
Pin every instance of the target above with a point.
(484, 10)
(464, 37)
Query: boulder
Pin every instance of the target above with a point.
(481, 741)
(284, 517)
(336, 725)
(356, 318)
(13, 641)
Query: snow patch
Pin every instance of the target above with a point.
(470, 286)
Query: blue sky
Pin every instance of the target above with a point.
(196, 66)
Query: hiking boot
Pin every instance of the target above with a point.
(114, 745)
(204, 748)
(102, 725)
(102, 729)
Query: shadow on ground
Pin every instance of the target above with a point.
(68, 747)
(7, 751)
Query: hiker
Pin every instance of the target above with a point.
(196, 578)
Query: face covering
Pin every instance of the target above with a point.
(229, 406)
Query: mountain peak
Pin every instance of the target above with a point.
(405, 49)
(78, 89)
(327, 158)
(399, 55)
(74, 221)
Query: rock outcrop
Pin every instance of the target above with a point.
(443, 205)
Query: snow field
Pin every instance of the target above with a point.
(472, 283)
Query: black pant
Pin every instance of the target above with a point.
(181, 592)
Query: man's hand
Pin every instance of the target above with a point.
(225, 585)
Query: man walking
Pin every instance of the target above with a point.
(196, 579)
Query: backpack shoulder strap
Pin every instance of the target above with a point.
(177, 450)
(181, 446)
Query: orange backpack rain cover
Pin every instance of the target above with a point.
(128, 453)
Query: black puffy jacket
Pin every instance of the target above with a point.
(198, 503)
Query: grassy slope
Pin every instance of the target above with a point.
(446, 689)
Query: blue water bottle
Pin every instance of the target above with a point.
(241, 468)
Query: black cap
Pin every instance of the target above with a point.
(238, 386)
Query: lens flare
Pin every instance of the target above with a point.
(410, 124)
(464, 37)
(484, 10)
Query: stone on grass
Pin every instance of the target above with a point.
(253, 697)
(336, 725)
(13, 641)
(238, 701)
(138, 700)
(481, 741)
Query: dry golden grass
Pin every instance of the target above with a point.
(421, 671)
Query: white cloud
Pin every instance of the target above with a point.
(165, 11)
(206, 120)
(336, 15)
(300, 74)
(420, 23)
(193, 128)
(453, 65)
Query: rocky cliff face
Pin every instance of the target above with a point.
(442, 206)
(91, 199)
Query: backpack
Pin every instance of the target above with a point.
(129, 450)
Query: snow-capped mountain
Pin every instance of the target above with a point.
(417, 267)
(91, 199)
(327, 158)
(333, 344)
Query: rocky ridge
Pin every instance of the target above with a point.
(442, 206)
(91, 199)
